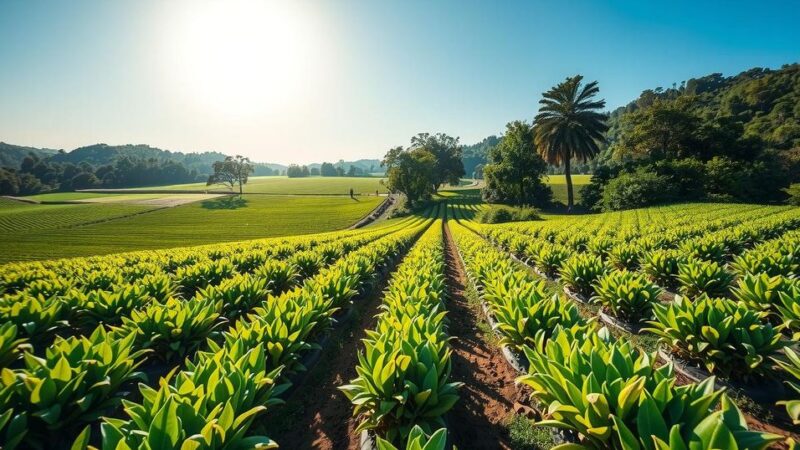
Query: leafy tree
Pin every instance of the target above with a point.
(328, 170)
(85, 180)
(314, 171)
(515, 171)
(410, 172)
(446, 151)
(569, 125)
(296, 171)
(233, 170)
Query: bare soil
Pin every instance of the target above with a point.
(318, 415)
(489, 395)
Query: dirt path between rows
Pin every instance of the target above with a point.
(318, 415)
(489, 395)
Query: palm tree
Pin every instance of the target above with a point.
(569, 125)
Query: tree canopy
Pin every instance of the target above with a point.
(231, 171)
(410, 172)
(446, 151)
(570, 125)
(515, 171)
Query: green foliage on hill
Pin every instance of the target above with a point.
(711, 138)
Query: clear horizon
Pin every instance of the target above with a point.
(310, 81)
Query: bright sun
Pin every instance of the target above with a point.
(240, 57)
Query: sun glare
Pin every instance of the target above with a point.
(240, 57)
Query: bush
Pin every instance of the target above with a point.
(793, 192)
(636, 189)
(503, 214)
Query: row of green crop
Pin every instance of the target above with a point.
(604, 393)
(403, 373)
(80, 378)
(626, 279)
(200, 292)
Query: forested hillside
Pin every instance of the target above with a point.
(12, 155)
(720, 138)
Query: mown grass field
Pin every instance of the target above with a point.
(294, 186)
(558, 184)
(57, 231)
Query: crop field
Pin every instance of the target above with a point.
(293, 186)
(56, 231)
(666, 327)
(17, 217)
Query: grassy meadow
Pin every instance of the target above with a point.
(558, 184)
(292, 186)
(65, 230)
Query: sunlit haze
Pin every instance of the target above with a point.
(309, 81)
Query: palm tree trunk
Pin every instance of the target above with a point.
(568, 177)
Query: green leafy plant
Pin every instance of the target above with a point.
(626, 295)
(76, 382)
(662, 266)
(174, 329)
(238, 295)
(211, 405)
(280, 275)
(419, 440)
(550, 258)
(625, 256)
(523, 309)
(11, 347)
(762, 292)
(791, 366)
(580, 271)
(697, 277)
(614, 396)
(724, 336)
(308, 262)
(37, 317)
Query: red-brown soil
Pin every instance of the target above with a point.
(489, 394)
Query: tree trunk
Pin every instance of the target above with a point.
(568, 178)
(521, 193)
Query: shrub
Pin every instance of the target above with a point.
(503, 214)
(626, 295)
(636, 189)
(726, 337)
(697, 277)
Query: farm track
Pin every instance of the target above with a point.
(489, 394)
(320, 417)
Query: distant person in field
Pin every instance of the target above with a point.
(351, 192)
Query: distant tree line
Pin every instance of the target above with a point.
(326, 169)
(37, 175)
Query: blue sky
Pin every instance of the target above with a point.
(307, 80)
